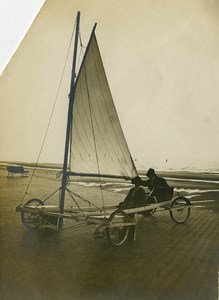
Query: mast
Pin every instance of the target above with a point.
(69, 123)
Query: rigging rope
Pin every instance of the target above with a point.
(51, 115)
(81, 54)
(75, 202)
(83, 199)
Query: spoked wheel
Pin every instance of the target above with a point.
(180, 210)
(32, 219)
(117, 232)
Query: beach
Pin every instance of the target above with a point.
(167, 260)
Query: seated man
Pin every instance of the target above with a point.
(136, 196)
(158, 186)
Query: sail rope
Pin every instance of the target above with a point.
(83, 199)
(51, 115)
(81, 54)
(70, 193)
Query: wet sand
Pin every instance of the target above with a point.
(167, 261)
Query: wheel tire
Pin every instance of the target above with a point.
(180, 211)
(116, 236)
(32, 220)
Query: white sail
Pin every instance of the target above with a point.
(98, 144)
(29, 85)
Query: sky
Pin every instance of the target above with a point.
(15, 18)
(162, 62)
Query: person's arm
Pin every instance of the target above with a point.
(144, 182)
(161, 183)
(140, 194)
(127, 198)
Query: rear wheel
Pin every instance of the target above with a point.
(32, 219)
(180, 210)
(117, 232)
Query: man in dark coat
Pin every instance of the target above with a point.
(136, 197)
(158, 186)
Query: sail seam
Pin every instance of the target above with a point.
(97, 159)
(109, 117)
(98, 127)
(82, 123)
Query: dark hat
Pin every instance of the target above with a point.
(150, 172)
(136, 179)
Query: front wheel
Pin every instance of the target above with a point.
(117, 231)
(32, 219)
(180, 210)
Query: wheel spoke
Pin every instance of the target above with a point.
(180, 210)
(32, 220)
(117, 231)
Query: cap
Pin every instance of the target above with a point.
(150, 172)
(136, 179)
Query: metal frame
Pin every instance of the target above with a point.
(100, 218)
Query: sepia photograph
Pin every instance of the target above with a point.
(109, 156)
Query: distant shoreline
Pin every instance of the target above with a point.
(182, 174)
